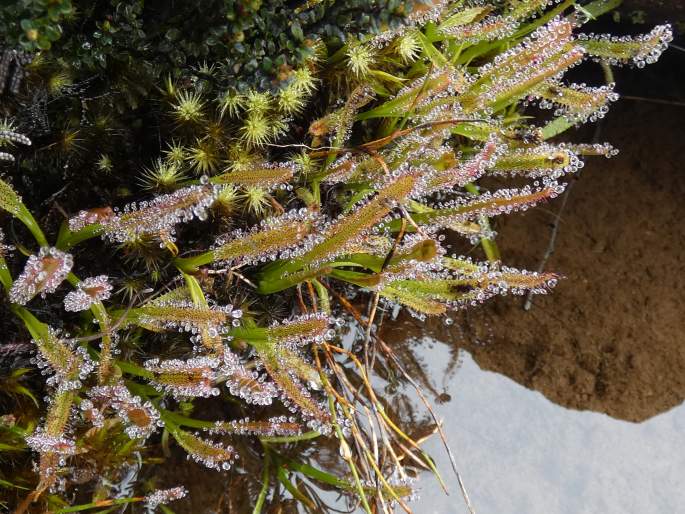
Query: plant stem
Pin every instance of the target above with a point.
(265, 483)
(489, 246)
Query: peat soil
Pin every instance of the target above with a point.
(611, 336)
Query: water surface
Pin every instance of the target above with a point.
(520, 453)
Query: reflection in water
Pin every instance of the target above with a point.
(520, 453)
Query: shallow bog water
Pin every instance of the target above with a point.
(518, 452)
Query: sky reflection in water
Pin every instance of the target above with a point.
(520, 453)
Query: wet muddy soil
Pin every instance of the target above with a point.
(611, 337)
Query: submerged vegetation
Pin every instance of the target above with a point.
(296, 173)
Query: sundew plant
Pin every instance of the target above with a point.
(207, 315)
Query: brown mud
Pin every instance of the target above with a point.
(611, 336)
